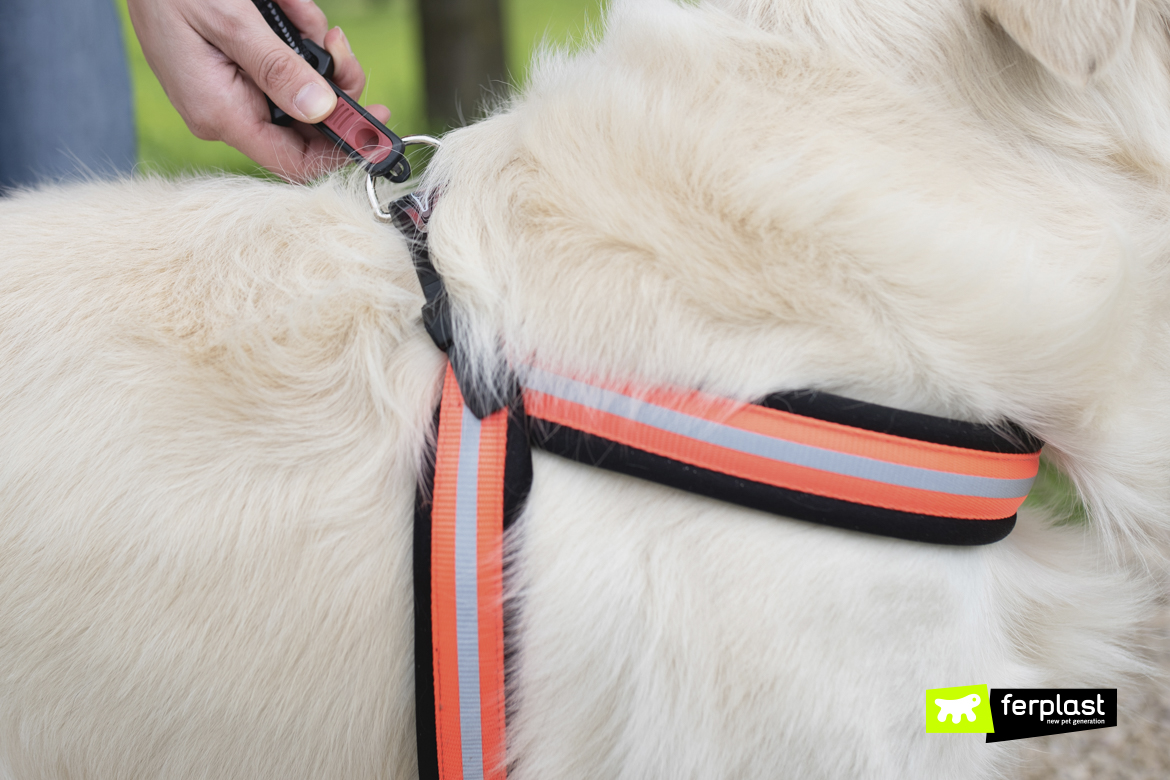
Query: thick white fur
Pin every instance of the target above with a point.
(215, 395)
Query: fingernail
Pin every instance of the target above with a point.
(346, 39)
(314, 102)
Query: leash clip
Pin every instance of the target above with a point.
(425, 205)
(350, 127)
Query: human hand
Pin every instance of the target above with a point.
(216, 59)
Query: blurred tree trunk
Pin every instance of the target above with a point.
(463, 57)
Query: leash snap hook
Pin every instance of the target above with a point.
(371, 188)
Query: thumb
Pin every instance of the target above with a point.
(281, 73)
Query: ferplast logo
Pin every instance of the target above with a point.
(1018, 713)
(962, 710)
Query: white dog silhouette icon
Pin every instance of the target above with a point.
(957, 708)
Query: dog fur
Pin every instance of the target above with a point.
(216, 396)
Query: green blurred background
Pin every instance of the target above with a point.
(385, 36)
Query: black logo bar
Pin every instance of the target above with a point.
(1034, 712)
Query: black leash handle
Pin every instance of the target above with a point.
(280, 24)
(353, 129)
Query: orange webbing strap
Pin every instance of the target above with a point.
(463, 583)
(791, 464)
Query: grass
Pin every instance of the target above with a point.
(385, 36)
(1054, 493)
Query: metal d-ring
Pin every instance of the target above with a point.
(372, 191)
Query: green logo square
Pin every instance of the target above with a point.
(962, 710)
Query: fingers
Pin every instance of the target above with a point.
(288, 152)
(380, 112)
(347, 72)
(244, 36)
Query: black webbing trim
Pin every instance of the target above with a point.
(597, 451)
(424, 672)
(517, 484)
(517, 463)
(908, 425)
(410, 216)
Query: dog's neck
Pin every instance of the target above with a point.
(1068, 79)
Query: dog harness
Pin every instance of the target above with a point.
(805, 455)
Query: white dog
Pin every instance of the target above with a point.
(215, 397)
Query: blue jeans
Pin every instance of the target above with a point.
(65, 103)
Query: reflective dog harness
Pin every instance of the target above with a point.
(805, 455)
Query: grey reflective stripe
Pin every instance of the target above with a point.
(779, 450)
(467, 596)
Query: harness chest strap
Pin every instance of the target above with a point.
(797, 453)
